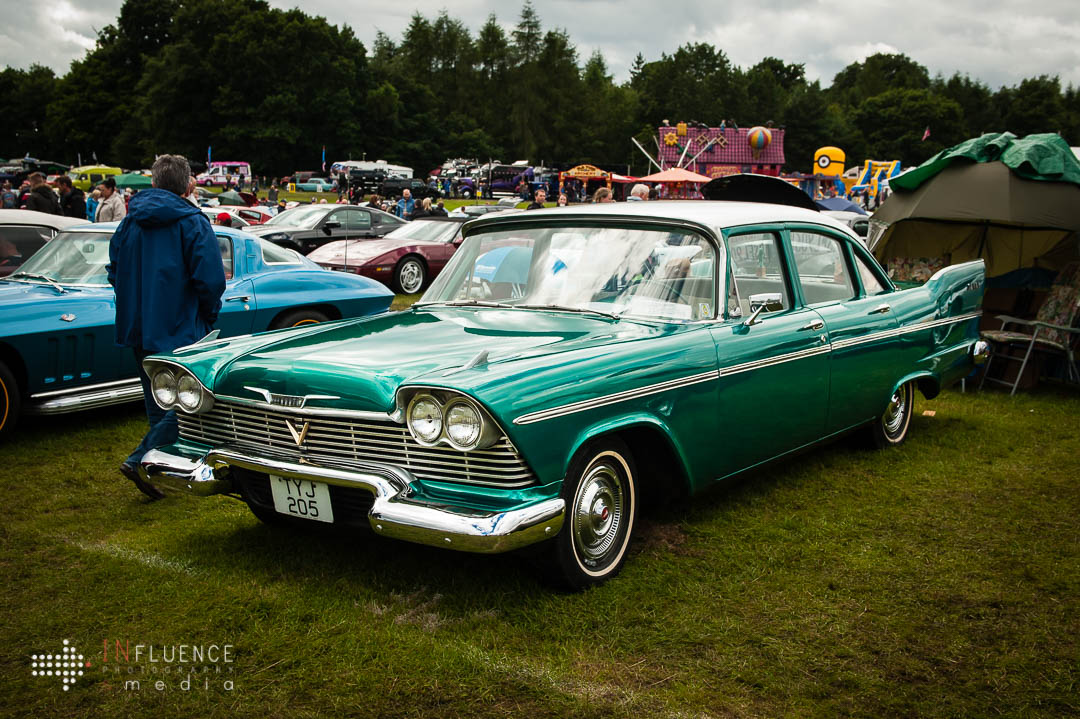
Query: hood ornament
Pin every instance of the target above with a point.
(292, 401)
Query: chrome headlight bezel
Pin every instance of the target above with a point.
(485, 436)
(163, 381)
(175, 374)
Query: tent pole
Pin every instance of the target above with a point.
(634, 140)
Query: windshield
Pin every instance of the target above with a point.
(427, 231)
(77, 258)
(664, 274)
(305, 216)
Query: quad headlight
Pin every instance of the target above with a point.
(444, 418)
(175, 388)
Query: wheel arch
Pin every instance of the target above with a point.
(663, 470)
(14, 362)
(330, 310)
(927, 382)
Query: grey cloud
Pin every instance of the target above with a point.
(996, 41)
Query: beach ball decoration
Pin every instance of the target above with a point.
(758, 138)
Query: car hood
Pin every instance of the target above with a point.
(32, 307)
(364, 362)
(360, 251)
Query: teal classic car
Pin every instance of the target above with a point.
(58, 348)
(566, 364)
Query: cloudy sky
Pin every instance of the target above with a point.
(996, 41)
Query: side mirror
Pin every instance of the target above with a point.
(331, 225)
(763, 302)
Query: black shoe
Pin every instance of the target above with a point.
(128, 470)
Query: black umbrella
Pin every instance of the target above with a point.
(747, 187)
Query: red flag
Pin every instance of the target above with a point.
(926, 133)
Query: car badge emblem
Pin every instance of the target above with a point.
(288, 400)
(67, 317)
(298, 437)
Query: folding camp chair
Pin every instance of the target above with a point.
(1053, 330)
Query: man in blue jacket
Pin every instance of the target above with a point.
(165, 265)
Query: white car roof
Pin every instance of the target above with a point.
(32, 217)
(719, 215)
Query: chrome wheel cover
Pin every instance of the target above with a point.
(598, 515)
(893, 419)
(411, 276)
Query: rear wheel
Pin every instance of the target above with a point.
(891, 428)
(298, 318)
(409, 276)
(601, 507)
(10, 401)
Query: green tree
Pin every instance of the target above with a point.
(894, 122)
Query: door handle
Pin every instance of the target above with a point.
(238, 298)
(814, 325)
(880, 309)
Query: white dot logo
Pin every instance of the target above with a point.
(66, 666)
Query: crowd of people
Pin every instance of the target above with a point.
(106, 203)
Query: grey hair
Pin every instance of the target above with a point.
(171, 172)
(640, 190)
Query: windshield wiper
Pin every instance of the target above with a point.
(467, 303)
(34, 276)
(567, 308)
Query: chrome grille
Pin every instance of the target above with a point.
(342, 439)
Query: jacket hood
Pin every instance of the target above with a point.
(156, 207)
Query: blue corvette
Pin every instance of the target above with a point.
(57, 343)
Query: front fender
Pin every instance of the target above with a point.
(629, 421)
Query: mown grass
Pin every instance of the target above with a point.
(940, 578)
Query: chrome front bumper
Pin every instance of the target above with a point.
(395, 513)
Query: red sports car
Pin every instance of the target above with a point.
(405, 259)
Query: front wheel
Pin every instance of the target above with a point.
(10, 401)
(409, 276)
(601, 506)
(891, 428)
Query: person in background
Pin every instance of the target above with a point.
(281, 206)
(406, 205)
(72, 199)
(92, 203)
(638, 193)
(603, 195)
(7, 197)
(112, 207)
(438, 210)
(41, 197)
(563, 200)
(424, 210)
(271, 195)
(539, 199)
(165, 266)
(223, 218)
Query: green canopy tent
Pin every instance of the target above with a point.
(1014, 202)
(133, 180)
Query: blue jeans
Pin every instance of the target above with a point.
(163, 428)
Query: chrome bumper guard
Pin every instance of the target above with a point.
(395, 513)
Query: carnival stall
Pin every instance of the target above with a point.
(720, 151)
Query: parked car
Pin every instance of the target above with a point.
(87, 177)
(306, 227)
(253, 215)
(393, 187)
(235, 222)
(859, 223)
(611, 353)
(316, 184)
(24, 232)
(406, 259)
(477, 210)
(57, 341)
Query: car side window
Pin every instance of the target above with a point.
(225, 245)
(274, 255)
(358, 219)
(871, 284)
(18, 242)
(756, 268)
(823, 272)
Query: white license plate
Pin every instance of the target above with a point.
(302, 498)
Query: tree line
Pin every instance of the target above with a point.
(274, 86)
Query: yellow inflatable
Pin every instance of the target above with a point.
(829, 161)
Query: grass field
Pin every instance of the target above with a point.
(940, 578)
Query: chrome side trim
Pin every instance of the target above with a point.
(80, 398)
(614, 398)
(736, 369)
(395, 513)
